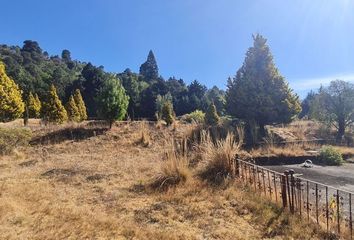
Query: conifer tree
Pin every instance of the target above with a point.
(34, 106)
(53, 110)
(149, 69)
(259, 93)
(167, 113)
(11, 104)
(72, 110)
(80, 105)
(112, 101)
(211, 115)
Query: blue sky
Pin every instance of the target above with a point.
(312, 40)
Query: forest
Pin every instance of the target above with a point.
(59, 88)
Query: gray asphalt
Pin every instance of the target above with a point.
(341, 177)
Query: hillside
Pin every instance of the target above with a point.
(96, 188)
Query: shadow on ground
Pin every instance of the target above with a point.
(74, 134)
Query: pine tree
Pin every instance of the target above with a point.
(167, 113)
(211, 115)
(53, 110)
(11, 104)
(80, 105)
(112, 101)
(149, 69)
(34, 106)
(259, 93)
(72, 110)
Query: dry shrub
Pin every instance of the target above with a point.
(219, 156)
(174, 170)
(144, 134)
(11, 138)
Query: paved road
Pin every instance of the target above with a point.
(341, 177)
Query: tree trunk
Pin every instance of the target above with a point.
(341, 129)
(110, 124)
(25, 118)
(262, 130)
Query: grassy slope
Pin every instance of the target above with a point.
(94, 189)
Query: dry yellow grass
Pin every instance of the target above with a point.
(94, 189)
(288, 150)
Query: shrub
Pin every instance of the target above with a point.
(330, 156)
(167, 113)
(194, 117)
(11, 138)
(211, 116)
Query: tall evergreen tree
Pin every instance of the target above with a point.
(92, 82)
(72, 110)
(34, 106)
(11, 104)
(80, 105)
(258, 92)
(112, 100)
(53, 110)
(149, 69)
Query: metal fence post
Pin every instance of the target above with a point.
(283, 190)
(338, 216)
(327, 211)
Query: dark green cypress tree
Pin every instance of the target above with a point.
(259, 93)
(149, 69)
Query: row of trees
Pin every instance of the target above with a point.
(35, 71)
(258, 94)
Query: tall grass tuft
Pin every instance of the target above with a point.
(144, 134)
(174, 170)
(219, 155)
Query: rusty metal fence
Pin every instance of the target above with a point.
(329, 207)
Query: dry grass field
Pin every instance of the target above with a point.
(98, 188)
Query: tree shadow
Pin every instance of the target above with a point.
(73, 134)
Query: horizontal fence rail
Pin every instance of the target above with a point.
(329, 207)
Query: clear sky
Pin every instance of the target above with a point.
(312, 40)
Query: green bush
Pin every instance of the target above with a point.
(330, 156)
(11, 138)
(194, 117)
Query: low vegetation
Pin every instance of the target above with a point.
(330, 156)
(133, 191)
(12, 138)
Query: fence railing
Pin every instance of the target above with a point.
(329, 207)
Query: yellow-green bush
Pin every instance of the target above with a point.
(194, 117)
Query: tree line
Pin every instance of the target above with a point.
(258, 94)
